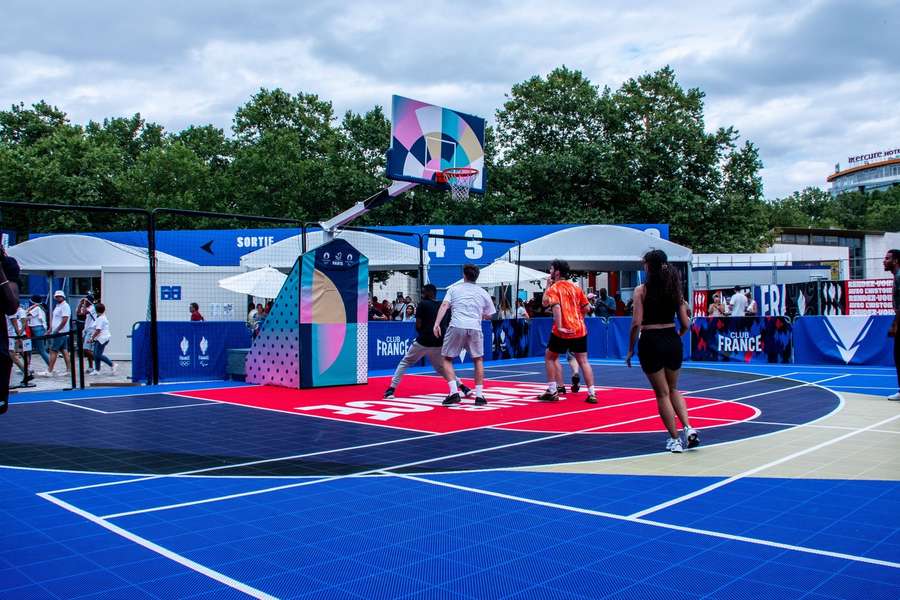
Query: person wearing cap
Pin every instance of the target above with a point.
(9, 302)
(36, 321)
(60, 322)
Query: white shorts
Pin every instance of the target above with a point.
(456, 340)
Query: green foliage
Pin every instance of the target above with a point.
(563, 150)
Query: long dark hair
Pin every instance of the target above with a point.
(663, 281)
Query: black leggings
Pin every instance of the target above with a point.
(897, 357)
(5, 372)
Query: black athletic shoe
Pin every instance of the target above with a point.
(561, 390)
(480, 401)
(389, 393)
(465, 390)
(576, 383)
(451, 399)
(692, 437)
(591, 399)
(549, 396)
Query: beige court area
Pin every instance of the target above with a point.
(861, 440)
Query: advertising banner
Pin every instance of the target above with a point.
(741, 339)
(844, 340)
(701, 301)
(869, 296)
(388, 342)
(771, 300)
(188, 350)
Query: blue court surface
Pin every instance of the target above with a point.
(176, 492)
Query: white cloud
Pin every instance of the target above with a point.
(807, 85)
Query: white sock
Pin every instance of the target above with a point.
(591, 390)
(479, 391)
(453, 388)
(551, 387)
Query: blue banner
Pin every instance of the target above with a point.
(617, 338)
(741, 339)
(388, 342)
(844, 340)
(189, 350)
(771, 300)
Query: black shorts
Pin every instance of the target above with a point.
(561, 345)
(660, 348)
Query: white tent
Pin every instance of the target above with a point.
(503, 272)
(262, 283)
(83, 255)
(597, 248)
(384, 254)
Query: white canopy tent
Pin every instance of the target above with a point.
(74, 255)
(384, 253)
(502, 272)
(597, 248)
(262, 283)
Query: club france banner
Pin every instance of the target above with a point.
(844, 340)
(741, 339)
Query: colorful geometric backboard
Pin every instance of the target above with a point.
(426, 139)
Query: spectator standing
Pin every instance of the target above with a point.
(604, 306)
(620, 306)
(752, 307)
(36, 321)
(99, 339)
(738, 303)
(521, 312)
(60, 323)
(195, 312)
(892, 266)
(375, 313)
(506, 312)
(409, 313)
(15, 325)
(85, 315)
(716, 309)
(9, 302)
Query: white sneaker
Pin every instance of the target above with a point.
(674, 445)
(894, 397)
(115, 368)
(44, 374)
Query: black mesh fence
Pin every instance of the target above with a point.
(71, 329)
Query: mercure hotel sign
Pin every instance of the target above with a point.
(864, 158)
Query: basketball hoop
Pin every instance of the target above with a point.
(460, 180)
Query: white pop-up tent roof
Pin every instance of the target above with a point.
(384, 254)
(72, 254)
(503, 272)
(597, 248)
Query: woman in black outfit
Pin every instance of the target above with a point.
(656, 304)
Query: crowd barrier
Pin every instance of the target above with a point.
(198, 350)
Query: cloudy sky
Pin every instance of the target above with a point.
(810, 83)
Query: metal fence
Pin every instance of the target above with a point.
(158, 275)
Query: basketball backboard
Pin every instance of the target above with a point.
(426, 139)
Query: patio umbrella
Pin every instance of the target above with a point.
(262, 283)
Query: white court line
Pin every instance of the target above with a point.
(864, 387)
(427, 435)
(795, 425)
(632, 519)
(425, 461)
(755, 470)
(126, 394)
(194, 566)
(102, 412)
(119, 412)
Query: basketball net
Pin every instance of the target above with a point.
(460, 180)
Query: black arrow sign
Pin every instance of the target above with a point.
(207, 246)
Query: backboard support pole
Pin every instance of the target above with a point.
(360, 208)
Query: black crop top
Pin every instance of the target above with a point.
(659, 310)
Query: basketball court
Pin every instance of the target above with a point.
(229, 491)
(311, 488)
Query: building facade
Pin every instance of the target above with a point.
(867, 172)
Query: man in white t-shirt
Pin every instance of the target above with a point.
(738, 303)
(469, 304)
(60, 322)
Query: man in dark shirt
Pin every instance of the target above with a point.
(9, 302)
(426, 344)
(892, 266)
